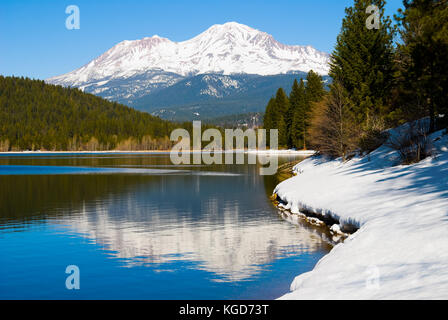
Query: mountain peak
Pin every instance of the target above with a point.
(232, 25)
(229, 28)
(229, 48)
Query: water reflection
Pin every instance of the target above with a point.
(224, 224)
(232, 250)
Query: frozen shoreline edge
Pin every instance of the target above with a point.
(333, 225)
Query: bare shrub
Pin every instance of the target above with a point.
(333, 132)
(412, 142)
(93, 144)
(4, 146)
(145, 144)
(374, 135)
(371, 140)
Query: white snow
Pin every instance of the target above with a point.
(231, 48)
(211, 91)
(401, 248)
(336, 229)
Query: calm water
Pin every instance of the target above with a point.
(140, 228)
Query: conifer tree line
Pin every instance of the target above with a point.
(292, 115)
(38, 116)
(381, 78)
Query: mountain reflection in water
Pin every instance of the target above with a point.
(220, 224)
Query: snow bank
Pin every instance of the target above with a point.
(401, 248)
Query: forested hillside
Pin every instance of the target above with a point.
(38, 116)
(209, 96)
(244, 120)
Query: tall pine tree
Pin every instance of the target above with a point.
(269, 120)
(280, 113)
(297, 106)
(423, 60)
(290, 114)
(315, 90)
(362, 61)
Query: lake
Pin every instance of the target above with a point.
(139, 227)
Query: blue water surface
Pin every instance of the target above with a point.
(137, 231)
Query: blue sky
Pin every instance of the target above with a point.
(35, 42)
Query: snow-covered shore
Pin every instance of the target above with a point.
(401, 248)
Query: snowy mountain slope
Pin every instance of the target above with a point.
(133, 87)
(159, 62)
(195, 89)
(214, 95)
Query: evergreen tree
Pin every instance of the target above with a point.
(362, 61)
(292, 116)
(280, 113)
(314, 92)
(282, 132)
(298, 106)
(423, 60)
(293, 106)
(269, 120)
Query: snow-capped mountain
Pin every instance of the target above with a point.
(132, 69)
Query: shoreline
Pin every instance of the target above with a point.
(278, 152)
(401, 212)
(332, 225)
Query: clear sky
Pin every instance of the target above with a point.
(36, 43)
